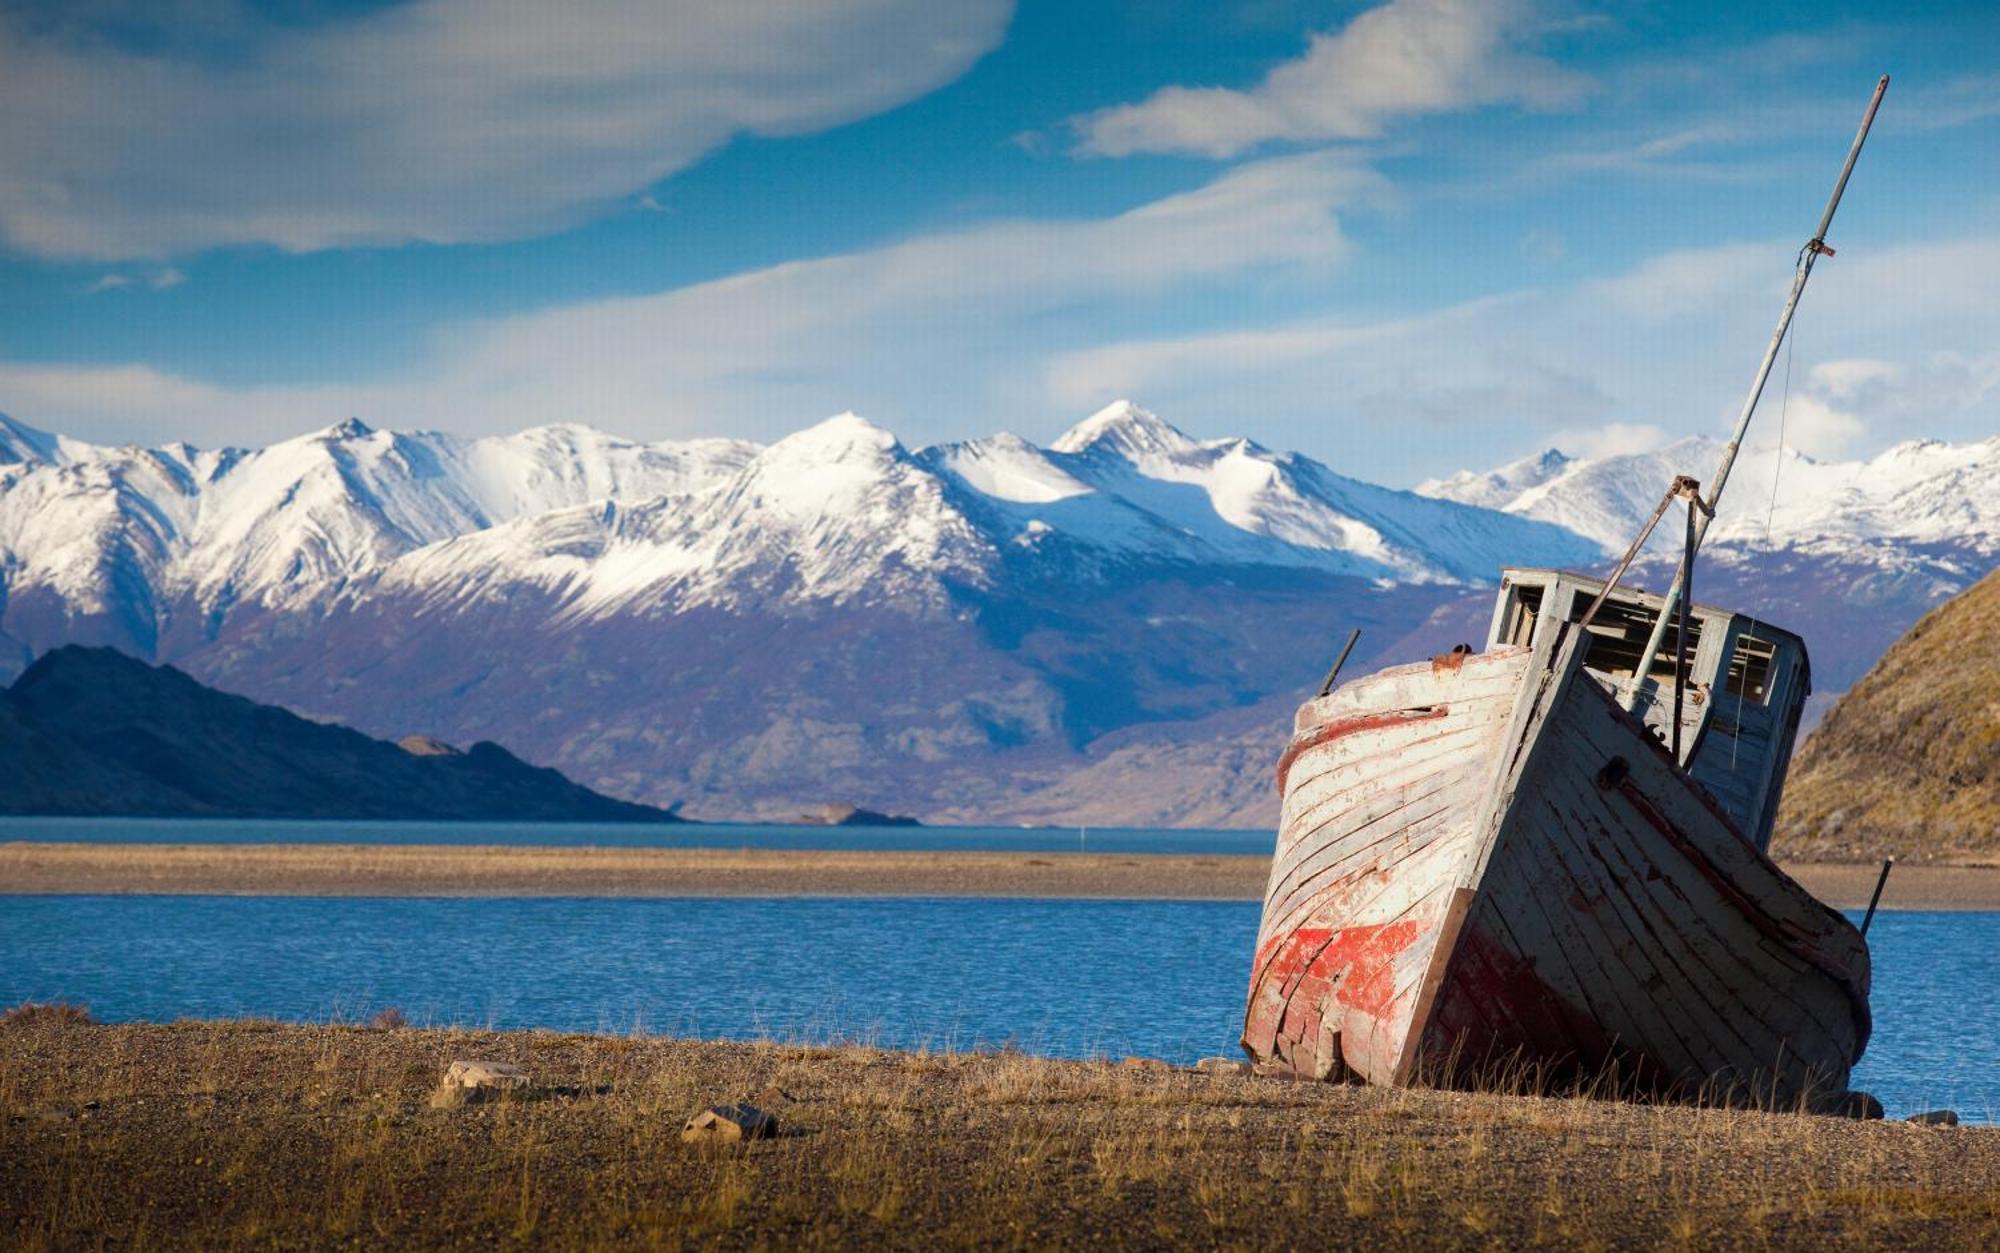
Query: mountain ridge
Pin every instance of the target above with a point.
(981, 629)
(95, 732)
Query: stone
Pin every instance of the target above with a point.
(728, 1124)
(1935, 1118)
(469, 1081)
(1278, 1070)
(1222, 1066)
(1860, 1106)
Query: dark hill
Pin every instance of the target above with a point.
(93, 731)
(1908, 762)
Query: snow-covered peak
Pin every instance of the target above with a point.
(1495, 489)
(1006, 467)
(838, 512)
(351, 428)
(1125, 428)
(21, 444)
(1923, 491)
(273, 524)
(841, 437)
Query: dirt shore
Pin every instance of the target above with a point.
(507, 870)
(231, 1133)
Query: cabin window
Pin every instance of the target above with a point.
(1618, 635)
(1527, 603)
(1750, 668)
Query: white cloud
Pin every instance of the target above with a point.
(1405, 58)
(1813, 425)
(162, 279)
(440, 120)
(138, 404)
(938, 315)
(1842, 402)
(1899, 346)
(1685, 283)
(1004, 325)
(1610, 439)
(913, 331)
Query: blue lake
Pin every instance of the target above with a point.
(1068, 978)
(638, 835)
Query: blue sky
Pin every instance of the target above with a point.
(1403, 238)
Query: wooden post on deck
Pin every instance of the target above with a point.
(1876, 899)
(1339, 661)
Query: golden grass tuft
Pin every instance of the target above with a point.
(47, 1013)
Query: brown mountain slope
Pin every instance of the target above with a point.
(1908, 762)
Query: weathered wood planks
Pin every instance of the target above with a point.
(1484, 861)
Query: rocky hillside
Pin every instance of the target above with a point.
(1908, 762)
(92, 731)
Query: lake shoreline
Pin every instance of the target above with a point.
(244, 1131)
(52, 868)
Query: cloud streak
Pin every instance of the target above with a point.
(1014, 323)
(910, 329)
(437, 120)
(1899, 341)
(1406, 58)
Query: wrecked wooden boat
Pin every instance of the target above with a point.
(1486, 862)
(1545, 861)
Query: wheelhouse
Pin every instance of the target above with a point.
(1746, 688)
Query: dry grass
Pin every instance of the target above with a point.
(390, 1019)
(50, 1013)
(233, 1133)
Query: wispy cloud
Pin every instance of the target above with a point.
(1405, 58)
(1894, 343)
(910, 329)
(1890, 344)
(162, 279)
(438, 120)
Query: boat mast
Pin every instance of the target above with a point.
(1813, 250)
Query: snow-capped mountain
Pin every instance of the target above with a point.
(136, 533)
(1108, 628)
(836, 512)
(1917, 493)
(1848, 553)
(1123, 480)
(1499, 487)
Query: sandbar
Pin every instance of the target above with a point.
(38, 868)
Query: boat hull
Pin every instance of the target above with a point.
(1484, 864)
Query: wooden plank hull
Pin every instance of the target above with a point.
(1484, 863)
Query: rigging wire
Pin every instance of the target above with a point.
(1806, 255)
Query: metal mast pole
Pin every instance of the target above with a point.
(1813, 250)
